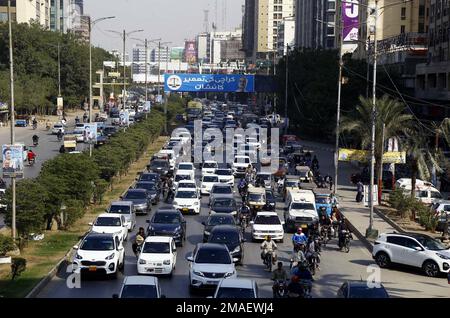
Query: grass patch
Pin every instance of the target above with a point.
(42, 255)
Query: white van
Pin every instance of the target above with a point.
(406, 183)
(425, 191)
(300, 209)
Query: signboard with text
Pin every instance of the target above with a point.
(364, 156)
(209, 83)
(350, 20)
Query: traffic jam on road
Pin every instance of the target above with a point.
(238, 223)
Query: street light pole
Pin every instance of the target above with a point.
(286, 92)
(59, 70)
(13, 137)
(146, 70)
(159, 66)
(124, 70)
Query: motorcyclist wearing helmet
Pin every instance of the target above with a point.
(31, 156)
(299, 238)
(244, 212)
(301, 276)
(278, 275)
(269, 246)
(35, 139)
(343, 228)
(298, 255)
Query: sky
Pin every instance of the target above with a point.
(172, 20)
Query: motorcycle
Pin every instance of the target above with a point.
(268, 260)
(244, 221)
(281, 289)
(31, 162)
(313, 263)
(60, 137)
(344, 241)
(325, 234)
(35, 143)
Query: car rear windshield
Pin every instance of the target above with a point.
(148, 177)
(156, 248)
(139, 291)
(159, 164)
(234, 292)
(120, 209)
(146, 186)
(213, 256)
(187, 185)
(367, 292)
(224, 203)
(302, 206)
(223, 190)
(267, 219)
(179, 177)
(224, 172)
(135, 195)
(166, 218)
(97, 244)
(224, 238)
(217, 220)
(210, 179)
(186, 195)
(107, 221)
(291, 184)
(265, 177)
(210, 165)
(185, 167)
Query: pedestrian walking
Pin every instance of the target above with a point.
(360, 191)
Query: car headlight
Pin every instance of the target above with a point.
(78, 256)
(229, 274)
(166, 262)
(195, 203)
(142, 261)
(237, 249)
(110, 256)
(442, 256)
(199, 274)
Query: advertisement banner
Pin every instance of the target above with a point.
(90, 133)
(374, 195)
(176, 53)
(209, 83)
(190, 52)
(364, 156)
(111, 64)
(350, 20)
(12, 163)
(124, 118)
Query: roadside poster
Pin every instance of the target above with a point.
(374, 195)
(364, 156)
(90, 133)
(12, 164)
(124, 118)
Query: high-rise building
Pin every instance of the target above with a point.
(315, 24)
(231, 50)
(4, 11)
(433, 77)
(160, 55)
(26, 11)
(266, 15)
(139, 60)
(203, 47)
(286, 35)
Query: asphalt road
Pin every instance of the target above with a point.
(336, 266)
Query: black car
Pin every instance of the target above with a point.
(270, 200)
(150, 177)
(230, 236)
(159, 166)
(152, 189)
(361, 290)
(216, 219)
(224, 205)
(109, 131)
(168, 222)
(140, 199)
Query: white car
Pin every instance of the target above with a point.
(187, 184)
(140, 287)
(56, 128)
(158, 256)
(111, 223)
(412, 249)
(209, 264)
(267, 223)
(225, 176)
(99, 253)
(236, 288)
(208, 167)
(207, 183)
(240, 163)
(185, 167)
(79, 134)
(187, 201)
(183, 176)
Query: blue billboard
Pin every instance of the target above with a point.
(219, 83)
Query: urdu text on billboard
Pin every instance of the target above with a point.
(209, 83)
(350, 20)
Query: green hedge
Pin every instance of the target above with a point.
(75, 179)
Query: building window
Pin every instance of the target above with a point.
(330, 43)
(275, 16)
(330, 17)
(403, 14)
(421, 28)
(421, 10)
(331, 5)
(330, 31)
(275, 23)
(402, 29)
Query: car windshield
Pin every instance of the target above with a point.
(120, 209)
(210, 179)
(302, 206)
(210, 165)
(223, 190)
(139, 291)
(323, 200)
(179, 177)
(159, 164)
(135, 195)
(185, 167)
(213, 256)
(217, 220)
(431, 244)
(224, 203)
(107, 221)
(234, 292)
(146, 185)
(224, 238)
(97, 244)
(267, 219)
(255, 197)
(166, 218)
(156, 248)
(148, 177)
(367, 292)
(186, 195)
(265, 177)
(224, 172)
(187, 185)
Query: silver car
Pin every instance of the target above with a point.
(221, 190)
(126, 208)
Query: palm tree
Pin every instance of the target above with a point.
(389, 112)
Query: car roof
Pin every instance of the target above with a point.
(167, 210)
(127, 203)
(238, 283)
(209, 161)
(225, 228)
(410, 234)
(222, 185)
(185, 163)
(145, 182)
(140, 280)
(100, 235)
(136, 190)
(164, 239)
(109, 215)
(266, 213)
(211, 246)
(360, 284)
